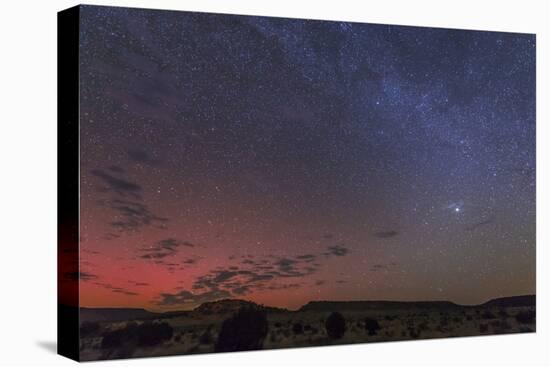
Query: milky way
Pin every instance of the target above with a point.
(283, 161)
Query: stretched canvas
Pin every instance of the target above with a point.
(231, 183)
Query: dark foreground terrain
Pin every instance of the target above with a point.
(232, 325)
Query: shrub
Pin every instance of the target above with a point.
(483, 328)
(502, 313)
(372, 326)
(526, 317)
(414, 333)
(297, 328)
(150, 334)
(206, 337)
(116, 338)
(488, 315)
(495, 324)
(88, 328)
(246, 330)
(335, 325)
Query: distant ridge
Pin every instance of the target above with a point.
(373, 305)
(225, 306)
(115, 314)
(124, 314)
(515, 301)
(229, 306)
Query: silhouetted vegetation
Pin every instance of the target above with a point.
(526, 317)
(151, 334)
(372, 326)
(88, 328)
(246, 330)
(206, 337)
(335, 325)
(297, 328)
(487, 315)
(148, 334)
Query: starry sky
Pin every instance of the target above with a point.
(284, 161)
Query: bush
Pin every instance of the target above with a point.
(414, 333)
(297, 328)
(246, 330)
(148, 334)
(206, 337)
(116, 338)
(502, 313)
(526, 317)
(488, 315)
(483, 328)
(88, 328)
(335, 325)
(372, 326)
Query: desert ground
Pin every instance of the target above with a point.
(233, 325)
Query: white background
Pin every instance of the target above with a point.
(28, 183)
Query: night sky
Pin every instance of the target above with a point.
(283, 161)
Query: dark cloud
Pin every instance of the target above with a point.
(185, 297)
(276, 287)
(118, 185)
(110, 236)
(125, 292)
(116, 289)
(141, 156)
(171, 244)
(138, 284)
(307, 257)
(385, 234)
(166, 247)
(337, 250)
(156, 255)
(250, 274)
(132, 216)
(82, 276)
(383, 267)
(253, 275)
(476, 225)
(191, 260)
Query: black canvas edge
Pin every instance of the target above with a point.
(68, 30)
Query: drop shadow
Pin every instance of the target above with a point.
(48, 345)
